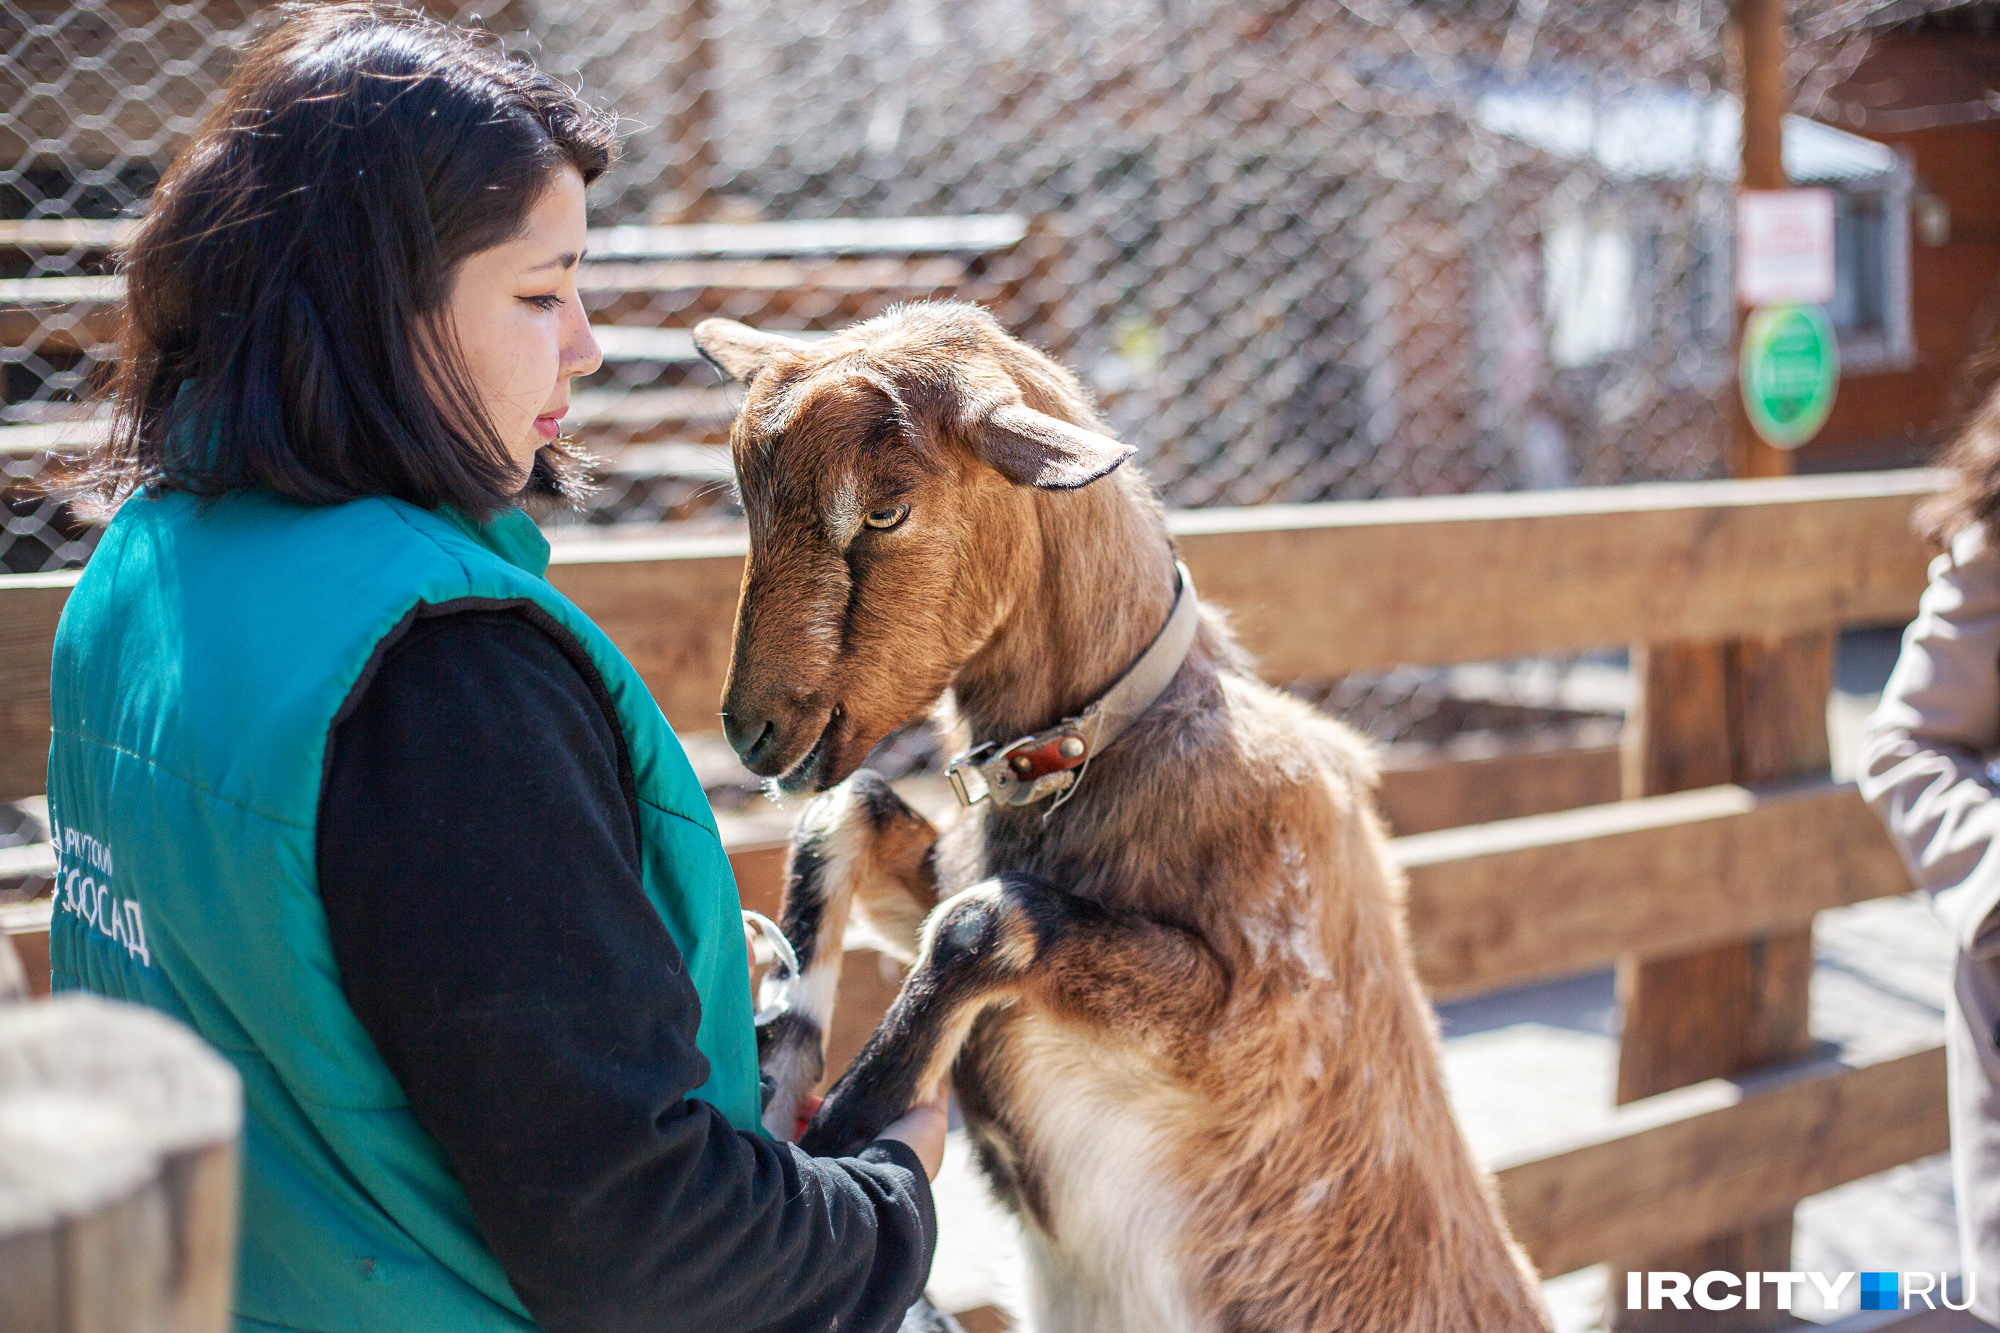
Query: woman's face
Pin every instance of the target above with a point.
(520, 326)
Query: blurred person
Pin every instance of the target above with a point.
(339, 780)
(1927, 769)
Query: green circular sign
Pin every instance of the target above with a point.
(1790, 368)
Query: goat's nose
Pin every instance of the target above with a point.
(749, 739)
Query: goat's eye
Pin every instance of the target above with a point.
(887, 518)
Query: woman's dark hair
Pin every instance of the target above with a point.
(1972, 495)
(285, 296)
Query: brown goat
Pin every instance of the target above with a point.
(1178, 1010)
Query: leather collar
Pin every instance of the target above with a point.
(1049, 762)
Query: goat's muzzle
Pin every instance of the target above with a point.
(795, 745)
(750, 740)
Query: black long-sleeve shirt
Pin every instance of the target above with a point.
(479, 862)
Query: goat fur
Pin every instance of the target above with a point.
(1179, 1012)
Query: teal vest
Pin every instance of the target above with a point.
(199, 665)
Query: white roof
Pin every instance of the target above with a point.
(1671, 133)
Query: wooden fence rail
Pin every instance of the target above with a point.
(1525, 900)
(1324, 590)
(1678, 1168)
(1316, 590)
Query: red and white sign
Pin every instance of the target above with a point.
(1784, 247)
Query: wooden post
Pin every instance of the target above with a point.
(1760, 27)
(118, 1171)
(24, 948)
(1745, 710)
(13, 973)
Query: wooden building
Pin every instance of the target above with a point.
(1932, 92)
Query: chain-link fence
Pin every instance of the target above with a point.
(1300, 251)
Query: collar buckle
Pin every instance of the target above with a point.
(965, 763)
(1025, 769)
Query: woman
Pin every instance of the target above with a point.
(340, 781)
(1926, 769)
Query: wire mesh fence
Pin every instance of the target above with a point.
(1299, 251)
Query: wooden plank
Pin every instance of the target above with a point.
(793, 298)
(1329, 589)
(597, 408)
(68, 290)
(1746, 1003)
(1676, 1169)
(68, 233)
(1734, 1006)
(30, 605)
(773, 275)
(91, 328)
(1450, 791)
(25, 927)
(118, 1132)
(69, 314)
(702, 462)
(974, 234)
(592, 411)
(79, 313)
(1334, 588)
(1750, 710)
(1415, 798)
(1527, 899)
(971, 234)
(1347, 587)
(672, 612)
(625, 343)
(1677, 733)
(41, 437)
(759, 868)
(1778, 688)
(13, 973)
(1523, 900)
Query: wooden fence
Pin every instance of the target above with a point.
(119, 1141)
(1677, 571)
(808, 275)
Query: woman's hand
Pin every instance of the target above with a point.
(922, 1128)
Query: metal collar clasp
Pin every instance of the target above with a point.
(955, 773)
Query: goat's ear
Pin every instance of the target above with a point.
(1032, 448)
(739, 351)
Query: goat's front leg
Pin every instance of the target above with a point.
(1020, 939)
(861, 847)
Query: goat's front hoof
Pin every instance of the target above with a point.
(790, 1057)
